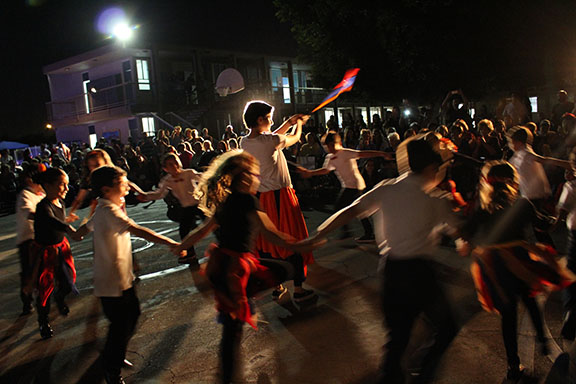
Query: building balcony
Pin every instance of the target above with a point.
(96, 105)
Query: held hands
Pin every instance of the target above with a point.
(71, 218)
(298, 117)
(308, 244)
(177, 250)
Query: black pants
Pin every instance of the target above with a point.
(295, 260)
(410, 288)
(188, 220)
(541, 234)
(26, 267)
(509, 314)
(347, 197)
(280, 271)
(123, 313)
(62, 288)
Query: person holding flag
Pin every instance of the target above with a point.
(277, 197)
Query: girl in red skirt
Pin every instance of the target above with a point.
(227, 197)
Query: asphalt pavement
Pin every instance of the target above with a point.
(336, 338)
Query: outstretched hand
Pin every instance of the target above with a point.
(308, 245)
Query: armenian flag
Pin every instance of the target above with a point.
(344, 86)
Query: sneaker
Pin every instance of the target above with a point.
(46, 331)
(278, 293)
(304, 295)
(365, 239)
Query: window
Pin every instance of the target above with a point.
(85, 82)
(534, 104)
(328, 112)
(148, 126)
(143, 75)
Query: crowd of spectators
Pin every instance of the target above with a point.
(477, 140)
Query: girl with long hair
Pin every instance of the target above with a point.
(227, 197)
(506, 267)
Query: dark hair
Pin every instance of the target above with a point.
(253, 111)
(104, 177)
(498, 186)
(168, 156)
(331, 137)
(522, 135)
(31, 170)
(51, 175)
(421, 154)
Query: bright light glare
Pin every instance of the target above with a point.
(93, 90)
(122, 32)
(407, 112)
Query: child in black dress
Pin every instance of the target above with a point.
(50, 251)
(227, 197)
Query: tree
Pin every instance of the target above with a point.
(421, 48)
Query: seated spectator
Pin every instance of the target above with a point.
(222, 147)
(311, 147)
(229, 133)
(208, 155)
(185, 155)
(233, 144)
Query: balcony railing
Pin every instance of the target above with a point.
(97, 104)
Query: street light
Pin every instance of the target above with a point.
(48, 126)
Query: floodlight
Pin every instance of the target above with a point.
(122, 32)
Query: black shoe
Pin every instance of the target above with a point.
(306, 294)
(515, 373)
(113, 379)
(63, 308)
(26, 309)
(278, 293)
(188, 259)
(569, 327)
(46, 331)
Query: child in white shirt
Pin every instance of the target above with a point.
(113, 277)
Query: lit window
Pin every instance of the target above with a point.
(143, 75)
(148, 126)
(93, 140)
(534, 104)
(86, 95)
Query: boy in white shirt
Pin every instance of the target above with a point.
(343, 161)
(26, 203)
(113, 277)
(182, 182)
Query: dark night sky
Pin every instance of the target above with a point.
(40, 32)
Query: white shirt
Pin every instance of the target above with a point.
(25, 209)
(267, 149)
(182, 187)
(567, 202)
(112, 249)
(405, 217)
(344, 163)
(533, 181)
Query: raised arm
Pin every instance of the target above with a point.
(285, 126)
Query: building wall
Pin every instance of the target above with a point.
(111, 128)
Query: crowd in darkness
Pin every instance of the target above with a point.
(478, 139)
